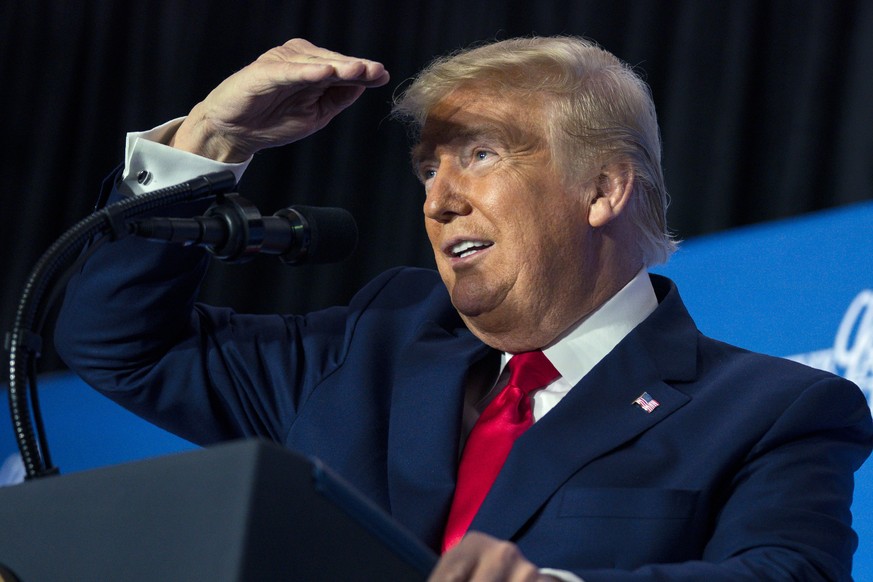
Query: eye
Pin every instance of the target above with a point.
(481, 154)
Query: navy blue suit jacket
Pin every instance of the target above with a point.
(744, 471)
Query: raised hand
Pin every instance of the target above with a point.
(287, 94)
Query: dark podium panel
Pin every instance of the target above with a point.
(247, 510)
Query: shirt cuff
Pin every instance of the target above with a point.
(562, 575)
(150, 165)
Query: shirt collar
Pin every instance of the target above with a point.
(594, 336)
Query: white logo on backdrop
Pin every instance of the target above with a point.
(852, 354)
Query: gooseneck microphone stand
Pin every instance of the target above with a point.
(24, 342)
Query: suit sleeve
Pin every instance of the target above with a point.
(130, 328)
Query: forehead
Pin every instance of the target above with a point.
(469, 114)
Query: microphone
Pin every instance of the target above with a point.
(234, 231)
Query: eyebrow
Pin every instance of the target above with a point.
(457, 133)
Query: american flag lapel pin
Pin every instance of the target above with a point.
(646, 402)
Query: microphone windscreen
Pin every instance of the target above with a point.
(333, 234)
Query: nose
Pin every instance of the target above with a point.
(446, 198)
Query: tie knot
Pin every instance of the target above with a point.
(531, 370)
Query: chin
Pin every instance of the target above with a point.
(475, 294)
(468, 310)
(476, 302)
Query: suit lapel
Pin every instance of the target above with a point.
(596, 417)
(426, 410)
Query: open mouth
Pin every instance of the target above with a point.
(467, 248)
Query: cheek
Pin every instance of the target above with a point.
(566, 215)
(556, 239)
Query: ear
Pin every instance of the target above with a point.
(614, 190)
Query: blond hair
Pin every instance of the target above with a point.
(599, 111)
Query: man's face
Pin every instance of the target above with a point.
(510, 238)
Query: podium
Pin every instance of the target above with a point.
(247, 510)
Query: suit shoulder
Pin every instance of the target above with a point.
(721, 353)
(402, 295)
(402, 285)
(766, 379)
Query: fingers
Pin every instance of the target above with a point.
(315, 64)
(482, 558)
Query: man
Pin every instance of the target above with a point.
(655, 453)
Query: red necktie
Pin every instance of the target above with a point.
(502, 421)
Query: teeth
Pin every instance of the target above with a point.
(467, 248)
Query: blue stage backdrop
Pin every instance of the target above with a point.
(800, 288)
